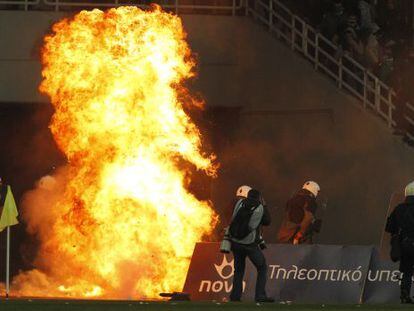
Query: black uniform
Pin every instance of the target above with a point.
(299, 218)
(401, 222)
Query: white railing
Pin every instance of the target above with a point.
(178, 6)
(325, 56)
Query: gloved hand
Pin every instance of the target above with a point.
(297, 239)
(262, 243)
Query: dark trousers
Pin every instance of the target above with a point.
(406, 267)
(253, 252)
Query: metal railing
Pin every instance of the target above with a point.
(326, 57)
(178, 6)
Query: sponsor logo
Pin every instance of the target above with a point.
(226, 269)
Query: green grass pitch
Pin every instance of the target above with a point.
(107, 305)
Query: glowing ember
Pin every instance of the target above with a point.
(125, 224)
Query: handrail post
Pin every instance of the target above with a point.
(340, 70)
(26, 5)
(293, 34)
(317, 51)
(56, 5)
(390, 114)
(377, 94)
(176, 6)
(365, 89)
(233, 10)
(270, 15)
(305, 38)
(275, 7)
(246, 12)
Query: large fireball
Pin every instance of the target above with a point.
(125, 224)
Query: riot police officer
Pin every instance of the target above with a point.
(400, 225)
(299, 223)
(248, 216)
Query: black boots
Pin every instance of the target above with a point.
(265, 299)
(405, 298)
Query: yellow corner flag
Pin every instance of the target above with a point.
(9, 213)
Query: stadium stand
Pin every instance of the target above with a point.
(378, 35)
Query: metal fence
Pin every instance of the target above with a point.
(326, 57)
(229, 7)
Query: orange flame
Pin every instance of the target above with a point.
(125, 225)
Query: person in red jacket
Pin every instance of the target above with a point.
(299, 223)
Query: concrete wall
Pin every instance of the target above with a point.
(21, 36)
(292, 123)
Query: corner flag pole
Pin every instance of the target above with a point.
(8, 218)
(8, 264)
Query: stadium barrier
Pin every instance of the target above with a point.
(303, 273)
